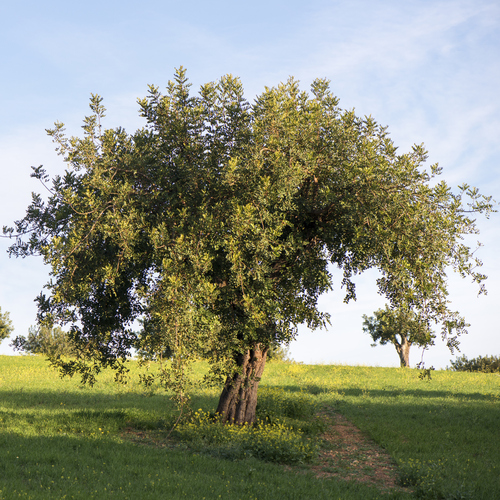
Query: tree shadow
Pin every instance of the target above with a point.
(384, 393)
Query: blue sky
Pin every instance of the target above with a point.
(430, 70)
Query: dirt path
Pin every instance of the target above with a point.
(350, 455)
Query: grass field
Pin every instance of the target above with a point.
(61, 440)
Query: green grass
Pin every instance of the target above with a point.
(59, 440)
(444, 433)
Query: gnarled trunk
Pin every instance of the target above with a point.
(403, 349)
(238, 401)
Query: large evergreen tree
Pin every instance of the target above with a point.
(217, 223)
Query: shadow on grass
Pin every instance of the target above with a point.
(384, 393)
(85, 412)
(77, 433)
(80, 467)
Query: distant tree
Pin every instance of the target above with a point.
(400, 327)
(486, 364)
(51, 342)
(219, 221)
(279, 353)
(6, 327)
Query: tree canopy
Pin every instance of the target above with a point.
(217, 224)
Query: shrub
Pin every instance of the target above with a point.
(486, 364)
(271, 442)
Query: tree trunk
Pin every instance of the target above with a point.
(238, 401)
(403, 349)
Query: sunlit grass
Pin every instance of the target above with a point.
(444, 433)
(61, 440)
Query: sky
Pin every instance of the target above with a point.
(428, 69)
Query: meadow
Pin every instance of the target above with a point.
(325, 432)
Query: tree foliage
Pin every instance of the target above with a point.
(400, 327)
(6, 327)
(217, 224)
(279, 353)
(484, 364)
(51, 342)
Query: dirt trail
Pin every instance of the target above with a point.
(350, 455)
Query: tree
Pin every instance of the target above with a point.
(6, 327)
(51, 342)
(217, 222)
(401, 327)
(486, 364)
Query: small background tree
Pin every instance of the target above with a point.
(6, 327)
(401, 327)
(52, 342)
(279, 353)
